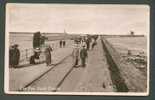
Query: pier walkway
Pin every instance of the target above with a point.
(19, 77)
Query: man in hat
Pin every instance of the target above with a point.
(83, 55)
(16, 56)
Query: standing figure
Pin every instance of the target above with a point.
(15, 56)
(64, 43)
(76, 54)
(60, 43)
(83, 56)
(93, 43)
(48, 55)
(88, 43)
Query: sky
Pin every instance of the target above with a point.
(78, 18)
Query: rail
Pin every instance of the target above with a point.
(54, 66)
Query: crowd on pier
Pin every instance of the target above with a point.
(81, 47)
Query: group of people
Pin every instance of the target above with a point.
(62, 43)
(14, 56)
(38, 43)
(89, 41)
(47, 54)
(82, 46)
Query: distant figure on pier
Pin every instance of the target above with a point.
(48, 55)
(60, 43)
(64, 43)
(95, 37)
(88, 43)
(93, 43)
(83, 56)
(15, 56)
(129, 53)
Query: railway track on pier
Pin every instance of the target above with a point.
(38, 84)
(53, 78)
(62, 76)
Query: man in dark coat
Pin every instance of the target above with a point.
(48, 56)
(60, 43)
(88, 40)
(64, 43)
(83, 56)
(16, 56)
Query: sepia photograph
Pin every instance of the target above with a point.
(77, 49)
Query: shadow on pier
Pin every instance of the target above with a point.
(117, 80)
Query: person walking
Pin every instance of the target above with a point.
(48, 55)
(15, 56)
(83, 56)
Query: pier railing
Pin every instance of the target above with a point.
(26, 54)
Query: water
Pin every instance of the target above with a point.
(136, 44)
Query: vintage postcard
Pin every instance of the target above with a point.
(77, 49)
